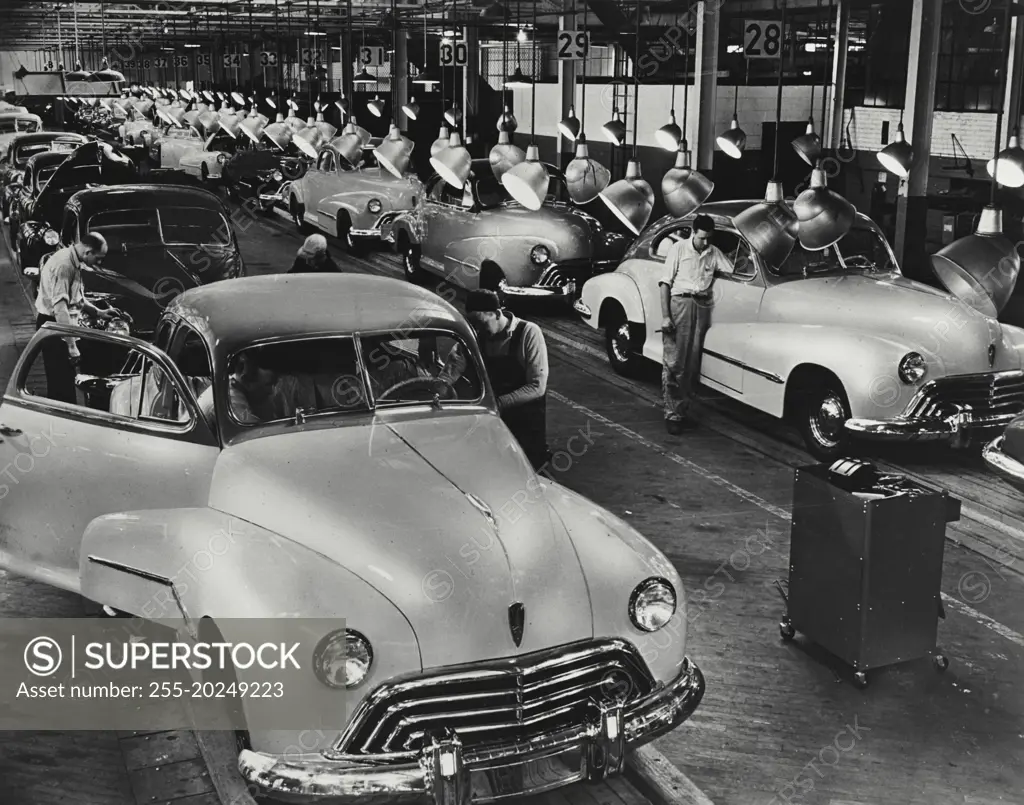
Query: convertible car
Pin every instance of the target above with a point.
(355, 204)
(161, 240)
(482, 237)
(13, 160)
(347, 491)
(839, 341)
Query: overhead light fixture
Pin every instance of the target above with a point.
(238, 98)
(518, 80)
(505, 156)
(570, 125)
(825, 216)
(808, 144)
(315, 33)
(521, 36)
(376, 107)
(585, 177)
(897, 156)
(493, 11)
(734, 140)
(364, 77)
(507, 121)
(615, 129)
(453, 116)
(412, 109)
(669, 135)
(682, 188)
(1008, 169)
(395, 153)
(453, 163)
(442, 141)
(427, 77)
(449, 32)
(192, 45)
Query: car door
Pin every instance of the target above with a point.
(315, 183)
(449, 222)
(67, 464)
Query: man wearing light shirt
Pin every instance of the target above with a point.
(686, 295)
(61, 298)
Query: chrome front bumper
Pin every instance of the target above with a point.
(447, 774)
(377, 230)
(566, 291)
(1003, 465)
(277, 197)
(958, 429)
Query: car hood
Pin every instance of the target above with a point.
(559, 223)
(452, 536)
(927, 320)
(93, 163)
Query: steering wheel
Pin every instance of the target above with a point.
(859, 261)
(429, 382)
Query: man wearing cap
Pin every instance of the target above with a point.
(516, 359)
(686, 299)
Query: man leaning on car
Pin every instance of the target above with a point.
(686, 295)
(62, 299)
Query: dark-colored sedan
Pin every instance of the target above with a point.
(263, 175)
(24, 147)
(162, 240)
(22, 193)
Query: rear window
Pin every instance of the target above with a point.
(24, 126)
(124, 227)
(169, 225)
(194, 225)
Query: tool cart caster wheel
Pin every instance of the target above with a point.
(786, 630)
(860, 679)
(941, 662)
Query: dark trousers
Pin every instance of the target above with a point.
(528, 424)
(60, 373)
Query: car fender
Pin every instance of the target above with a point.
(866, 364)
(1014, 339)
(616, 558)
(179, 566)
(330, 207)
(298, 190)
(600, 293)
(411, 223)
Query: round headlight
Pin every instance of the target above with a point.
(118, 327)
(540, 254)
(652, 604)
(278, 176)
(342, 659)
(374, 206)
(51, 238)
(912, 368)
(222, 158)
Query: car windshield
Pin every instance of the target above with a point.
(43, 175)
(863, 248)
(277, 382)
(26, 151)
(492, 193)
(194, 225)
(23, 125)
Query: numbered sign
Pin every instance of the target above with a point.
(268, 58)
(146, 64)
(308, 56)
(762, 39)
(573, 45)
(160, 62)
(371, 56)
(203, 60)
(231, 60)
(454, 54)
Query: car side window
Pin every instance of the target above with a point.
(663, 242)
(69, 229)
(737, 251)
(111, 379)
(326, 163)
(188, 352)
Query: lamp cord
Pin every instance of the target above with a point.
(686, 78)
(636, 79)
(583, 107)
(810, 116)
(826, 81)
(533, 91)
(1002, 99)
(778, 98)
(672, 104)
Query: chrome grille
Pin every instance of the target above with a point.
(500, 702)
(994, 394)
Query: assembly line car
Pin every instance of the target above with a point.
(533, 671)
(24, 146)
(838, 340)
(480, 237)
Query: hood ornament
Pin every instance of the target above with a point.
(991, 354)
(517, 622)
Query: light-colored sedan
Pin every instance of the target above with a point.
(355, 204)
(480, 237)
(188, 151)
(378, 461)
(13, 123)
(839, 341)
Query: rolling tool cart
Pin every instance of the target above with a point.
(865, 565)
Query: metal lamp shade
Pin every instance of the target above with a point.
(684, 189)
(1008, 169)
(412, 109)
(453, 163)
(252, 129)
(280, 134)
(107, 75)
(507, 121)
(395, 153)
(376, 107)
(296, 124)
(77, 74)
(734, 140)
(327, 130)
(771, 227)
(441, 142)
(191, 118)
(238, 98)
(631, 198)
(570, 126)
(585, 177)
(897, 156)
(364, 77)
(669, 135)
(210, 122)
(453, 116)
(309, 141)
(349, 147)
(172, 114)
(615, 130)
(825, 216)
(505, 156)
(518, 80)
(528, 181)
(808, 146)
(231, 125)
(981, 269)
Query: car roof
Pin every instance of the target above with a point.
(235, 313)
(144, 195)
(19, 115)
(47, 136)
(46, 158)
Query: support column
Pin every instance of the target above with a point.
(702, 127)
(567, 69)
(834, 136)
(1014, 71)
(919, 110)
(471, 86)
(401, 76)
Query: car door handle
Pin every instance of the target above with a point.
(6, 431)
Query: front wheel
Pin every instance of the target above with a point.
(822, 417)
(619, 343)
(297, 211)
(353, 245)
(410, 259)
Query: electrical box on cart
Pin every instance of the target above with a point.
(865, 569)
